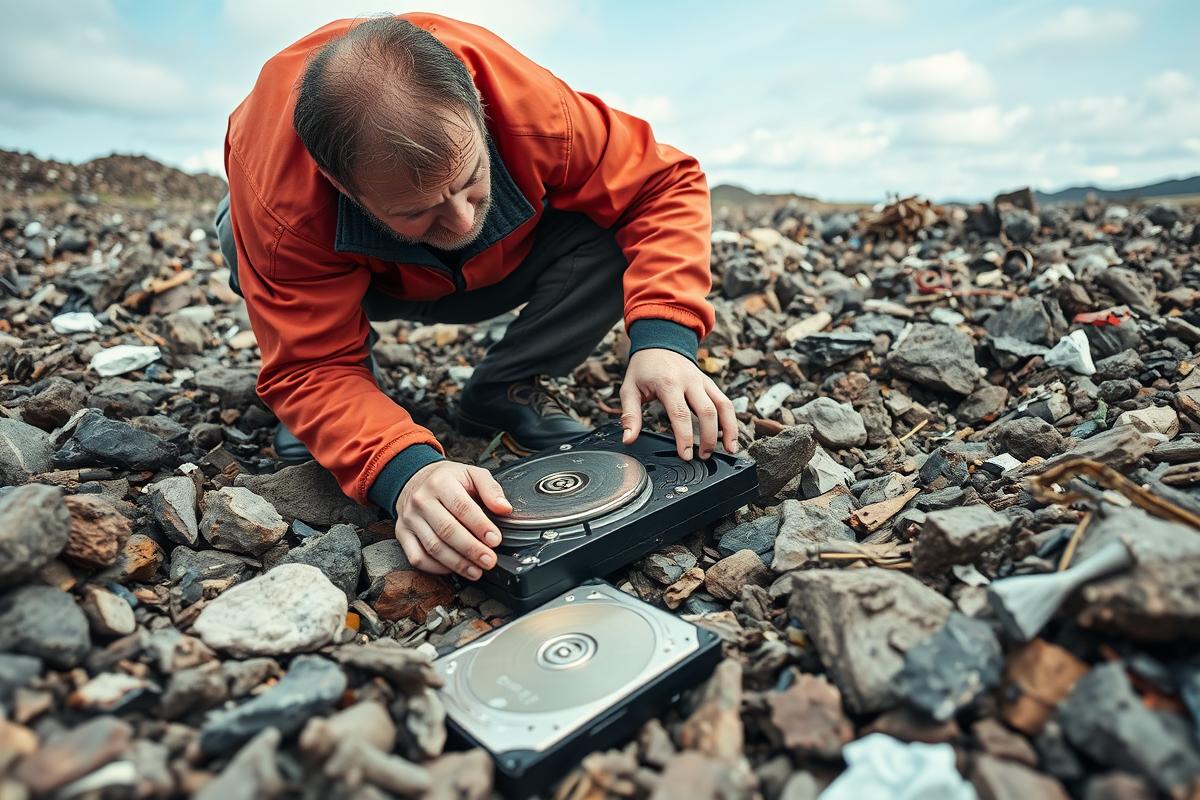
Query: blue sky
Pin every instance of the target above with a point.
(844, 100)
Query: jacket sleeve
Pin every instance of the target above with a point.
(312, 333)
(656, 200)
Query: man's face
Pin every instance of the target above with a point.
(449, 216)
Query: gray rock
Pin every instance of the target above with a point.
(802, 526)
(291, 609)
(782, 457)
(198, 688)
(234, 386)
(44, 622)
(34, 525)
(17, 670)
(56, 403)
(238, 520)
(1120, 448)
(383, 557)
(25, 451)
(1018, 224)
(822, 474)
(983, 405)
(937, 356)
(337, 553)
(124, 398)
(311, 686)
(1104, 718)
(956, 536)
(665, 566)
(173, 501)
(951, 668)
(1028, 319)
(308, 492)
(96, 439)
(862, 623)
(108, 614)
(1009, 351)
(163, 427)
(758, 535)
(1027, 437)
(834, 424)
(216, 565)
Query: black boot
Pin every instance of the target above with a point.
(529, 413)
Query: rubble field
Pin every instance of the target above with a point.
(974, 569)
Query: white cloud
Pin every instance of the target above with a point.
(877, 12)
(209, 160)
(657, 109)
(800, 147)
(982, 125)
(1077, 26)
(1101, 172)
(85, 65)
(945, 80)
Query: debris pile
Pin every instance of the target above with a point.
(972, 570)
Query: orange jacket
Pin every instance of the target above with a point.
(306, 256)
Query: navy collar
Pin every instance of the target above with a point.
(357, 233)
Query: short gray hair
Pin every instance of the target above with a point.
(383, 95)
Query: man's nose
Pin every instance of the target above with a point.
(461, 217)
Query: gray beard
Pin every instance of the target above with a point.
(458, 244)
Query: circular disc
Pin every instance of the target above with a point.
(569, 487)
(561, 658)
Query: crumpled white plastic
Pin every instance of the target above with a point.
(123, 358)
(1072, 352)
(881, 766)
(76, 322)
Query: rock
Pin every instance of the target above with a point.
(409, 594)
(908, 725)
(98, 531)
(834, 424)
(383, 557)
(996, 779)
(782, 457)
(862, 622)
(1104, 718)
(71, 754)
(952, 668)
(337, 553)
(1156, 601)
(366, 721)
(984, 404)
(311, 686)
(667, 564)
(121, 398)
(308, 492)
(956, 536)
(34, 524)
(726, 578)
(44, 622)
(108, 614)
(809, 719)
(292, 608)
(936, 356)
(772, 400)
(801, 527)
(714, 728)
(689, 775)
(16, 671)
(454, 776)
(1162, 419)
(237, 519)
(1119, 448)
(110, 692)
(1118, 786)
(251, 774)
(682, 589)
(99, 440)
(25, 452)
(209, 565)
(56, 403)
(997, 740)
(234, 387)
(827, 349)
(823, 474)
(758, 535)
(173, 501)
(408, 669)
(1028, 319)
(1037, 677)
(196, 689)
(1027, 437)
(139, 560)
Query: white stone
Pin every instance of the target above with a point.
(772, 400)
(293, 608)
(124, 358)
(1161, 419)
(835, 424)
(76, 322)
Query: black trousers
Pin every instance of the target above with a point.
(571, 285)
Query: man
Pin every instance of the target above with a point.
(417, 167)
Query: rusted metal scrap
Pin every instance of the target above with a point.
(1043, 487)
(904, 218)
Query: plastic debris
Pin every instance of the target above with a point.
(1074, 353)
(76, 322)
(881, 766)
(124, 358)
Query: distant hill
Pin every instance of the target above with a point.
(727, 194)
(1171, 188)
(24, 174)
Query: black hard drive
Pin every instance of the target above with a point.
(594, 505)
(578, 674)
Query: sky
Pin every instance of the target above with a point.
(844, 100)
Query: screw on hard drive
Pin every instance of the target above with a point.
(529, 560)
(564, 447)
(681, 489)
(550, 536)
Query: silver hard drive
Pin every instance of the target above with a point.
(569, 677)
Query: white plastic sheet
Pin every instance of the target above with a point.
(881, 766)
(76, 322)
(123, 358)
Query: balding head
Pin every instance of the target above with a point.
(392, 117)
(386, 96)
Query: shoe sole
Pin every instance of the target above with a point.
(480, 430)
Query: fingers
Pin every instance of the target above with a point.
(680, 416)
(452, 544)
(706, 412)
(491, 494)
(415, 553)
(631, 412)
(726, 417)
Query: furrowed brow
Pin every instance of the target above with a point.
(475, 175)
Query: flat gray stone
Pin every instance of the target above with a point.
(173, 501)
(34, 526)
(800, 528)
(835, 424)
(308, 492)
(44, 622)
(937, 356)
(782, 457)
(337, 553)
(25, 451)
(238, 520)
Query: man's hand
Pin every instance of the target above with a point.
(683, 390)
(440, 524)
